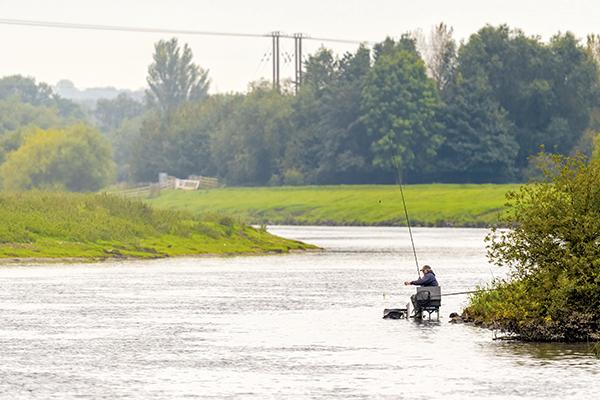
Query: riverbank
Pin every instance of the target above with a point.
(465, 205)
(74, 226)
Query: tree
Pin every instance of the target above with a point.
(26, 90)
(479, 145)
(111, 113)
(399, 108)
(345, 156)
(252, 139)
(173, 77)
(76, 158)
(441, 55)
(548, 90)
(552, 252)
(15, 114)
(180, 146)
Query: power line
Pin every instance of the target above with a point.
(69, 25)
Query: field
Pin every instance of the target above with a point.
(46, 225)
(428, 205)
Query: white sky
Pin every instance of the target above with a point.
(91, 58)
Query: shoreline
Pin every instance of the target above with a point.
(99, 260)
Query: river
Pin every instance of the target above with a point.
(299, 326)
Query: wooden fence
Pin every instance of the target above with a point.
(153, 189)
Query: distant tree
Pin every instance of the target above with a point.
(181, 146)
(26, 90)
(345, 156)
(593, 47)
(77, 158)
(173, 77)
(111, 113)
(303, 149)
(252, 139)
(479, 144)
(548, 90)
(399, 108)
(320, 69)
(441, 55)
(15, 114)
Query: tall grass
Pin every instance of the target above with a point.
(51, 224)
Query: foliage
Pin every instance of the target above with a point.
(112, 113)
(548, 90)
(553, 254)
(331, 144)
(441, 56)
(399, 105)
(173, 78)
(252, 154)
(430, 205)
(76, 159)
(56, 225)
(479, 145)
(180, 146)
(15, 114)
(26, 90)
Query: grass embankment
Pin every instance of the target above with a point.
(428, 205)
(69, 225)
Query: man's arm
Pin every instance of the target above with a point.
(425, 280)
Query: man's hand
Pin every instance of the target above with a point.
(407, 283)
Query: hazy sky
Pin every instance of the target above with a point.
(91, 58)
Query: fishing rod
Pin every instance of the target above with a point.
(399, 181)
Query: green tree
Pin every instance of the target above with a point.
(553, 255)
(548, 90)
(252, 140)
(479, 144)
(399, 108)
(15, 114)
(173, 77)
(111, 113)
(180, 146)
(344, 153)
(26, 90)
(76, 158)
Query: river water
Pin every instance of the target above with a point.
(300, 326)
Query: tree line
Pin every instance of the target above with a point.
(418, 109)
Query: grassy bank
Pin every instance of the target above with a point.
(428, 205)
(69, 225)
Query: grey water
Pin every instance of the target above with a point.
(298, 326)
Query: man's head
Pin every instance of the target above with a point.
(426, 269)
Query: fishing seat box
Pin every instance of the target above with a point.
(429, 297)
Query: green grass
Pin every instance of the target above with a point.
(70, 225)
(428, 205)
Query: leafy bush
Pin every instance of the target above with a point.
(553, 251)
(77, 158)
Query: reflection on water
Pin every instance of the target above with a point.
(295, 326)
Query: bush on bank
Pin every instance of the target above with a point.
(39, 224)
(553, 253)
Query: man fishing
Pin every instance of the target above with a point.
(428, 278)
